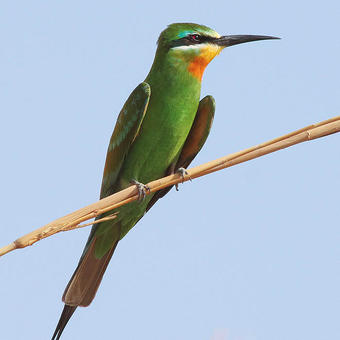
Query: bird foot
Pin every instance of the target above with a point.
(182, 172)
(142, 189)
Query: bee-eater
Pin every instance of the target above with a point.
(160, 129)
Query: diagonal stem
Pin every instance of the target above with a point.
(73, 220)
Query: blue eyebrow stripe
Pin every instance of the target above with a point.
(184, 34)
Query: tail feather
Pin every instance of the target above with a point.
(65, 316)
(83, 285)
(86, 279)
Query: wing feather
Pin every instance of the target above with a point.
(84, 282)
(127, 126)
(197, 136)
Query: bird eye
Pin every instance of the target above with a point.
(194, 37)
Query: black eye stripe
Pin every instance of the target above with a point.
(191, 39)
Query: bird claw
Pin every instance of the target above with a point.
(182, 172)
(142, 189)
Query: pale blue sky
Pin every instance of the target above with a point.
(249, 253)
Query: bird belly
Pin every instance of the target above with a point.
(160, 140)
(158, 144)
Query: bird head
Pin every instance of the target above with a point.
(196, 45)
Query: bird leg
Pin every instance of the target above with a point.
(142, 189)
(182, 172)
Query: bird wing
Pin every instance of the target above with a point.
(197, 136)
(199, 132)
(125, 131)
(84, 282)
(127, 126)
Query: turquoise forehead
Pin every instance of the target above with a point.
(180, 30)
(185, 33)
(200, 29)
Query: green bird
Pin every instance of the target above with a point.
(160, 129)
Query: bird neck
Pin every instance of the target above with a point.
(184, 62)
(172, 70)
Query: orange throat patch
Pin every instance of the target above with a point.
(198, 64)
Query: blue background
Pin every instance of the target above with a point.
(248, 253)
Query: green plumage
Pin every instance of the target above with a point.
(170, 113)
(161, 127)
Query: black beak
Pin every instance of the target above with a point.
(229, 40)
